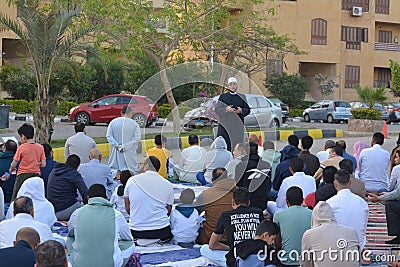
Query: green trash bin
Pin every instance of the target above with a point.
(4, 116)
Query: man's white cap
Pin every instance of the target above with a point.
(232, 80)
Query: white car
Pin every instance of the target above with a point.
(263, 113)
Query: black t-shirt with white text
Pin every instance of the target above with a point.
(238, 224)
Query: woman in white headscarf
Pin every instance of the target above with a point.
(43, 209)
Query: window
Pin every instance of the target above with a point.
(384, 77)
(347, 4)
(263, 103)
(125, 100)
(274, 66)
(352, 76)
(107, 101)
(252, 102)
(325, 104)
(382, 7)
(385, 36)
(318, 32)
(354, 36)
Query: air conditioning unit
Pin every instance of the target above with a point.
(356, 11)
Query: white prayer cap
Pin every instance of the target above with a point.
(232, 80)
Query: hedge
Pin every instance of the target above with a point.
(295, 113)
(367, 114)
(24, 106)
(164, 110)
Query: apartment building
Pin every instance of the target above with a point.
(350, 41)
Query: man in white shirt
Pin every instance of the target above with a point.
(349, 209)
(23, 212)
(148, 200)
(192, 160)
(95, 172)
(299, 179)
(79, 144)
(374, 164)
(324, 154)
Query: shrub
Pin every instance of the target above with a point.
(64, 107)
(295, 112)
(18, 106)
(367, 114)
(164, 110)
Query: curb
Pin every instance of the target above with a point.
(30, 118)
(182, 142)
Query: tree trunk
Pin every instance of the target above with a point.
(176, 120)
(227, 63)
(250, 83)
(42, 117)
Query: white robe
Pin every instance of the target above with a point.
(124, 133)
(43, 209)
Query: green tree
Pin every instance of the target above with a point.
(49, 35)
(395, 70)
(371, 95)
(17, 82)
(291, 89)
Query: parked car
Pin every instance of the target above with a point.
(377, 106)
(263, 113)
(109, 107)
(328, 111)
(394, 112)
(284, 107)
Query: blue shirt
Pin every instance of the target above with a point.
(94, 172)
(352, 158)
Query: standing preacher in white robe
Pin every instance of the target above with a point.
(124, 135)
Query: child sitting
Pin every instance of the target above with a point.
(260, 246)
(185, 220)
(117, 197)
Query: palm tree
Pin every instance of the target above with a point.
(50, 37)
(371, 95)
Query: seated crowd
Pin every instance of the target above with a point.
(258, 207)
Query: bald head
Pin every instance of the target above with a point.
(253, 138)
(30, 235)
(95, 154)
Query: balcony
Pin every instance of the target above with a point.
(387, 46)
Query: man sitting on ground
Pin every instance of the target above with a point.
(214, 201)
(24, 214)
(325, 191)
(6, 157)
(266, 233)
(148, 200)
(98, 234)
(163, 154)
(271, 155)
(354, 215)
(335, 157)
(23, 252)
(309, 159)
(298, 178)
(356, 186)
(374, 163)
(253, 173)
(50, 162)
(64, 181)
(50, 253)
(292, 222)
(192, 160)
(324, 154)
(79, 144)
(233, 223)
(95, 172)
(239, 152)
(346, 155)
(325, 235)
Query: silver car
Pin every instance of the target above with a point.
(328, 111)
(263, 113)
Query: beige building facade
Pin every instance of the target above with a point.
(350, 41)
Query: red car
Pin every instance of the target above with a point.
(109, 107)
